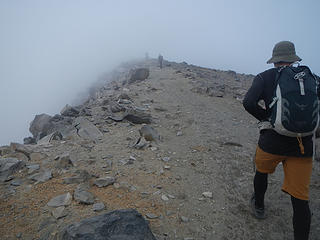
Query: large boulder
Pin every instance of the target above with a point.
(125, 224)
(44, 125)
(138, 74)
(62, 124)
(41, 126)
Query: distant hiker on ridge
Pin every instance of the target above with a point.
(160, 60)
(287, 126)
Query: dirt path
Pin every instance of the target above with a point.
(224, 168)
(207, 144)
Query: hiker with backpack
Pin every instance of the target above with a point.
(287, 123)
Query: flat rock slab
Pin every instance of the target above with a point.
(59, 212)
(125, 224)
(86, 129)
(103, 182)
(61, 200)
(42, 176)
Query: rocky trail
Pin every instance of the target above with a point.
(190, 174)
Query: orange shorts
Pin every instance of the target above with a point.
(297, 171)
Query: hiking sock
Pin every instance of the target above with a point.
(260, 183)
(301, 218)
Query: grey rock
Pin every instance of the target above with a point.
(82, 176)
(83, 186)
(207, 194)
(20, 148)
(125, 224)
(63, 125)
(29, 140)
(45, 222)
(9, 178)
(64, 162)
(41, 126)
(151, 216)
(141, 144)
(37, 156)
(9, 166)
(86, 129)
(73, 180)
(59, 212)
(69, 111)
(138, 74)
(138, 116)
(103, 182)
(98, 207)
(149, 133)
(85, 112)
(116, 107)
(184, 219)
(42, 176)
(164, 198)
(126, 161)
(232, 144)
(16, 182)
(48, 233)
(108, 164)
(160, 109)
(52, 136)
(84, 197)
(5, 150)
(124, 96)
(166, 159)
(124, 101)
(32, 168)
(61, 200)
(117, 118)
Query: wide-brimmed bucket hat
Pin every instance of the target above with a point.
(284, 51)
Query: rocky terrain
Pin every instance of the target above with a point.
(175, 144)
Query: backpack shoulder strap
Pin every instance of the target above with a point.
(278, 74)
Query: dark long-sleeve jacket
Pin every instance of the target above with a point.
(270, 141)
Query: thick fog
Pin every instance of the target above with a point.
(50, 51)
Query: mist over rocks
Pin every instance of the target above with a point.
(157, 145)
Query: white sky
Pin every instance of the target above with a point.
(52, 50)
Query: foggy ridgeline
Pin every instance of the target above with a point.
(205, 81)
(150, 153)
